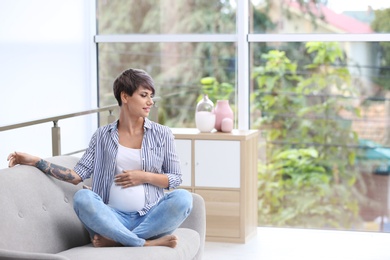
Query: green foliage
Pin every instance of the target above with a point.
(215, 90)
(311, 187)
(295, 189)
(381, 24)
(261, 20)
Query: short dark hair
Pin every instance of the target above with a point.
(129, 81)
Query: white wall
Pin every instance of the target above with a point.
(47, 68)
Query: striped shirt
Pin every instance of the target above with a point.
(158, 155)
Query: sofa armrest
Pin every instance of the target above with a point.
(10, 254)
(197, 221)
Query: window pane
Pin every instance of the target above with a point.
(326, 16)
(166, 16)
(323, 109)
(177, 69)
(45, 69)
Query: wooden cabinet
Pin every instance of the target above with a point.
(222, 168)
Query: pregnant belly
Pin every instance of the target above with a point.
(128, 200)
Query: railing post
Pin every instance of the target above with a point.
(154, 114)
(56, 139)
(154, 111)
(111, 117)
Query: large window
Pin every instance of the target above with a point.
(312, 78)
(177, 69)
(48, 68)
(319, 93)
(323, 116)
(177, 42)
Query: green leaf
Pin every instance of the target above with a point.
(207, 81)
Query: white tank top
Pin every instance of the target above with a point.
(133, 198)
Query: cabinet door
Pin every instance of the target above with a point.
(183, 149)
(217, 163)
(222, 212)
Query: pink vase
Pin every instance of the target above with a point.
(223, 111)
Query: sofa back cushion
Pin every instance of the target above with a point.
(37, 210)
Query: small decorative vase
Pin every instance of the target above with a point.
(227, 125)
(204, 115)
(223, 116)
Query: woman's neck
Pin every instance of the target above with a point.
(131, 125)
(131, 133)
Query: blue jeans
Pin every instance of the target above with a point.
(129, 228)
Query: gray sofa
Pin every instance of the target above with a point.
(37, 221)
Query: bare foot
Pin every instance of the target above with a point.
(101, 241)
(168, 240)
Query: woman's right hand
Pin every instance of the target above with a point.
(21, 158)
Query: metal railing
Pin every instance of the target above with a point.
(56, 130)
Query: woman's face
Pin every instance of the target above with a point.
(140, 103)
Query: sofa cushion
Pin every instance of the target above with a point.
(18, 255)
(37, 211)
(187, 248)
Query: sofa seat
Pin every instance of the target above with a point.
(189, 242)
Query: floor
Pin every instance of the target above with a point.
(304, 244)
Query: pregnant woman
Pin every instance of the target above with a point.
(131, 162)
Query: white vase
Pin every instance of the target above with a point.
(204, 115)
(205, 121)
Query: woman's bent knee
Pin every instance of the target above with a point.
(81, 196)
(183, 199)
(83, 199)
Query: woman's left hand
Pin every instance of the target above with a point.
(130, 178)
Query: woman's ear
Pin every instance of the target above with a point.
(124, 97)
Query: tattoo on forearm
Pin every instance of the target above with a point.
(54, 170)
